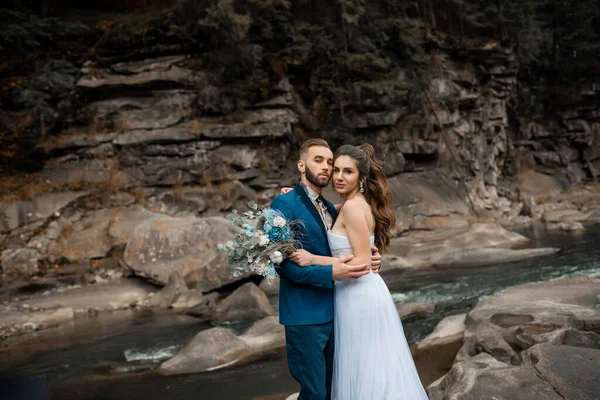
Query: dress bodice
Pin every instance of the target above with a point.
(340, 245)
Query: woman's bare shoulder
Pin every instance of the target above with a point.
(356, 206)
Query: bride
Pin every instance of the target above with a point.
(372, 359)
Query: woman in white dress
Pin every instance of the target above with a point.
(372, 359)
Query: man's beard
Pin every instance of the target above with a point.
(314, 179)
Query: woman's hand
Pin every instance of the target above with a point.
(302, 257)
(375, 259)
(284, 190)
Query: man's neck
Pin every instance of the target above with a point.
(316, 188)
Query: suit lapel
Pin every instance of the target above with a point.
(311, 207)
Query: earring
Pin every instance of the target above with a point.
(362, 189)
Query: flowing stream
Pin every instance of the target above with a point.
(107, 357)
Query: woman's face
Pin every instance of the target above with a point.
(345, 175)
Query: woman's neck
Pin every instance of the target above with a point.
(347, 196)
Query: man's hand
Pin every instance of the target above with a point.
(284, 190)
(302, 258)
(342, 271)
(375, 259)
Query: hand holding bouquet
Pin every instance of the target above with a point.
(264, 241)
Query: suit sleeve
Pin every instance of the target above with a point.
(315, 275)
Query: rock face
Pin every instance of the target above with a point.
(162, 246)
(156, 136)
(535, 341)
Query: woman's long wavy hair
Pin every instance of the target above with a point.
(376, 190)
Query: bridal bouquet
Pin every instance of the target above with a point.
(263, 242)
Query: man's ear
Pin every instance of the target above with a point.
(301, 166)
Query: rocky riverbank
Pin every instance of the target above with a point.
(536, 341)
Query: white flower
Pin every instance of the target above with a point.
(279, 222)
(276, 257)
(263, 240)
(260, 268)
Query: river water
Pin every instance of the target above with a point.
(79, 360)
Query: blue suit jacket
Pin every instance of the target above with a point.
(306, 293)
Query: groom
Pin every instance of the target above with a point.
(306, 293)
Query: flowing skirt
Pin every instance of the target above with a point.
(372, 360)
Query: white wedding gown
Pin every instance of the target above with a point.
(372, 359)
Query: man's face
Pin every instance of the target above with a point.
(317, 165)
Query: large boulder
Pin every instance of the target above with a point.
(484, 377)
(163, 245)
(538, 307)
(208, 350)
(218, 348)
(535, 341)
(480, 244)
(572, 371)
(540, 186)
(248, 301)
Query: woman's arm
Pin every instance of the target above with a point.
(303, 258)
(359, 234)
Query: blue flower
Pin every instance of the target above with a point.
(267, 228)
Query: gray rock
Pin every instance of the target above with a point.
(206, 309)
(218, 348)
(15, 323)
(188, 300)
(170, 293)
(475, 257)
(158, 74)
(163, 109)
(483, 377)
(435, 354)
(569, 226)
(538, 184)
(124, 222)
(247, 301)
(15, 214)
(113, 295)
(161, 246)
(70, 169)
(194, 200)
(407, 310)
(572, 371)
(372, 119)
(19, 263)
(86, 238)
(270, 288)
(209, 350)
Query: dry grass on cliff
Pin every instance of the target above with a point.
(24, 186)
